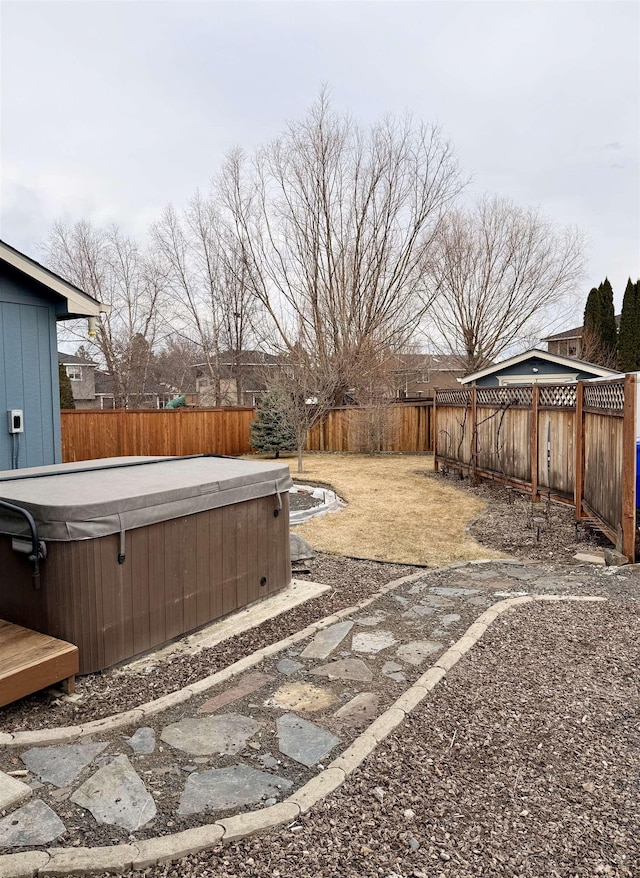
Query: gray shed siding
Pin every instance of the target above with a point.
(526, 367)
(28, 370)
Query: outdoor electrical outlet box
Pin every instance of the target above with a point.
(16, 421)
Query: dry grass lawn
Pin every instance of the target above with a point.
(395, 513)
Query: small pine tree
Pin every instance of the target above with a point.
(66, 391)
(629, 338)
(272, 431)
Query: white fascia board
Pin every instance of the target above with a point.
(79, 304)
(541, 355)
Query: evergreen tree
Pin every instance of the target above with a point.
(272, 430)
(609, 328)
(592, 313)
(66, 392)
(629, 338)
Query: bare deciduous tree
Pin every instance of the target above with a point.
(213, 305)
(335, 225)
(498, 274)
(108, 265)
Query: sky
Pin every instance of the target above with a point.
(111, 110)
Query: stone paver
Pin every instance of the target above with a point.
(60, 766)
(304, 741)
(345, 669)
(301, 696)
(372, 642)
(226, 734)
(372, 620)
(12, 791)
(360, 710)
(33, 823)
(394, 671)
(416, 652)
(450, 591)
(116, 795)
(288, 666)
(231, 787)
(326, 641)
(249, 683)
(143, 741)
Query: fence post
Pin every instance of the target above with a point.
(434, 429)
(474, 435)
(629, 469)
(578, 488)
(535, 398)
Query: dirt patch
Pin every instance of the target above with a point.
(510, 524)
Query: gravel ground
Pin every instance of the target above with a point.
(525, 763)
(111, 692)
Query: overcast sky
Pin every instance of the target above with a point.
(112, 109)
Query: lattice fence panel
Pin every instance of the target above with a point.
(505, 396)
(557, 395)
(608, 397)
(460, 397)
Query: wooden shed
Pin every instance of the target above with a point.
(140, 550)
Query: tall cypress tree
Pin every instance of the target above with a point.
(593, 313)
(609, 328)
(629, 339)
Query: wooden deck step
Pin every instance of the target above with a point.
(30, 661)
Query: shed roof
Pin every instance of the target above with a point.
(78, 303)
(571, 362)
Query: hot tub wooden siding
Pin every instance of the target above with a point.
(178, 575)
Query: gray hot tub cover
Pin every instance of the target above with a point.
(70, 505)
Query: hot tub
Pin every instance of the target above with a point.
(141, 550)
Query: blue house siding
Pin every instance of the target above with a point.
(28, 370)
(526, 367)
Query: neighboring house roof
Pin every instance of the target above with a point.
(72, 360)
(78, 303)
(243, 358)
(104, 386)
(432, 362)
(570, 362)
(569, 334)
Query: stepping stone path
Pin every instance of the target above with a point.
(197, 759)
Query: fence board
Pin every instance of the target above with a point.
(393, 428)
(95, 434)
(580, 448)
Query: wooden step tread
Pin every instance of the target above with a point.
(30, 661)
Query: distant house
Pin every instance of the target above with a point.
(155, 396)
(535, 367)
(569, 342)
(416, 376)
(81, 373)
(32, 300)
(242, 378)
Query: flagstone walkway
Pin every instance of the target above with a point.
(265, 735)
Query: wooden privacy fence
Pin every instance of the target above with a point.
(93, 434)
(390, 428)
(573, 442)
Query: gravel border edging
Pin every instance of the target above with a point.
(120, 858)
